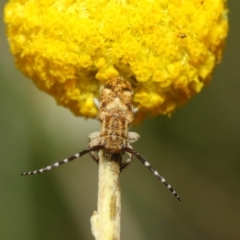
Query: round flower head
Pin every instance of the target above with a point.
(167, 49)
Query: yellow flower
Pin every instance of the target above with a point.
(166, 48)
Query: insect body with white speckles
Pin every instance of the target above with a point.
(115, 114)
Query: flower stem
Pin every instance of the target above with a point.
(105, 222)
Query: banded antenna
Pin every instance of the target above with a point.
(155, 172)
(64, 161)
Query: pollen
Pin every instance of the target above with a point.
(166, 49)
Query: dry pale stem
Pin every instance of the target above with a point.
(105, 222)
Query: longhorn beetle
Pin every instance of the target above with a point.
(115, 114)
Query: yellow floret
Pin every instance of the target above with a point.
(166, 48)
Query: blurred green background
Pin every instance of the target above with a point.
(197, 150)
